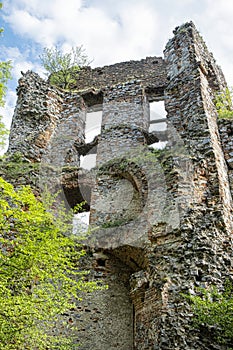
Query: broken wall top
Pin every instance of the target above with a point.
(151, 71)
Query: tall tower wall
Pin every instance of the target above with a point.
(162, 218)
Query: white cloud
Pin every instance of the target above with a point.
(45, 22)
(110, 31)
(109, 36)
(140, 28)
(29, 26)
(113, 31)
(215, 24)
(7, 111)
(20, 62)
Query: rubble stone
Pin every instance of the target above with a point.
(162, 218)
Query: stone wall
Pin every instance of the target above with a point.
(191, 255)
(162, 218)
(36, 116)
(151, 71)
(105, 321)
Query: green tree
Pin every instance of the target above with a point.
(62, 68)
(5, 75)
(214, 310)
(40, 275)
(223, 102)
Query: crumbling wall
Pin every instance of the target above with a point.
(151, 71)
(162, 218)
(191, 255)
(105, 320)
(36, 116)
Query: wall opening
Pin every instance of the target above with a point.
(159, 145)
(74, 195)
(81, 190)
(79, 193)
(81, 222)
(158, 123)
(88, 161)
(93, 123)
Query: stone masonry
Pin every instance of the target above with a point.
(162, 219)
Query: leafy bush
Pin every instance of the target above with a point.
(63, 68)
(223, 102)
(214, 310)
(39, 271)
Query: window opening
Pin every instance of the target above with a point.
(88, 161)
(158, 122)
(73, 196)
(93, 124)
(159, 145)
(81, 222)
(157, 116)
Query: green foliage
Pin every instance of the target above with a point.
(5, 75)
(16, 168)
(39, 270)
(1, 29)
(215, 310)
(223, 102)
(115, 223)
(61, 68)
(3, 134)
(123, 164)
(40, 276)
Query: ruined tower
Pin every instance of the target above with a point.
(162, 216)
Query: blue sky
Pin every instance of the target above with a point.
(110, 31)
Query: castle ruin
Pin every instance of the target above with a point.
(162, 216)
